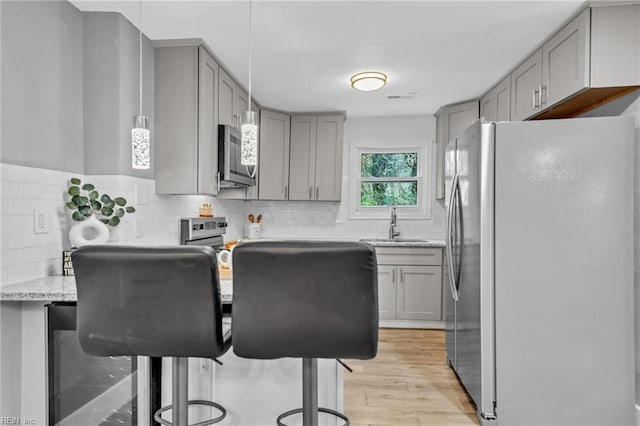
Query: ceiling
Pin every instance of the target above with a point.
(304, 52)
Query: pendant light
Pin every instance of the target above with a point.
(249, 126)
(140, 133)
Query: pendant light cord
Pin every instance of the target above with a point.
(250, 54)
(140, 50)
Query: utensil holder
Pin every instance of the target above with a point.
(254, 231)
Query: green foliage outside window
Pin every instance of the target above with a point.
(386, 179)
(403, 164)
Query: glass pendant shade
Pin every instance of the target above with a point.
(140, 143)
(249, 132)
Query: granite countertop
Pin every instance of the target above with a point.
(406, 243)
(58, 288)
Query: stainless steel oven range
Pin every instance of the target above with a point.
(203, 231)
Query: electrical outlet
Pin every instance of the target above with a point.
(40, 222)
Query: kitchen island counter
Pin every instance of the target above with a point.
(58, 288)
(254, 392)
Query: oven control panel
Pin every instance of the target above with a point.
(197, 228)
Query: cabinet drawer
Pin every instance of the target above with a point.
(409, 256)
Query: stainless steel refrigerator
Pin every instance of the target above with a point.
(539, 319)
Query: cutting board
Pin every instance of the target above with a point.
(225, 274)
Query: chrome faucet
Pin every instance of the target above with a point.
(392, 226)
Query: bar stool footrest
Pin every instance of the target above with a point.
(158, 414)
(320, 410)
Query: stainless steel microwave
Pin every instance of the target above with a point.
(231, 172)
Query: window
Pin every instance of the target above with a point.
(389, 176)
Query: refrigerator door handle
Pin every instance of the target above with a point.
(450, 224)
(459, 232)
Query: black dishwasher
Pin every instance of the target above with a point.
(82, 389)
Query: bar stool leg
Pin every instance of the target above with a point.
(180, 398)
(309, 392)
(310, 407)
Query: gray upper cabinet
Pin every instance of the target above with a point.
(186, 120)
(452, 120)
(593, 59)
(315, 171)
(565, 65)
(273, 164)
(232, 101)
(526, 83)
(496, 104)
(226, 95)
(302, 159)
(329, 157)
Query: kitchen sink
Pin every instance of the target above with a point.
(395, 240)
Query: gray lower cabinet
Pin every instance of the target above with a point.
(387, 291)
(419, 295)
(186, 120)
(409, 283)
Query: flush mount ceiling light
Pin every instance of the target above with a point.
(368, 81)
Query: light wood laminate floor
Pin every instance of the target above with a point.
(408, 383)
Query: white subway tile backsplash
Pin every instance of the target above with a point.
(19, 240)
(13, 173)
(13, 224)
(12, 190)
(11, 257)
(24, 272)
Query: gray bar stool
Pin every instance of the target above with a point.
(305, 299)
(153, 301)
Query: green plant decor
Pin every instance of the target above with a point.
(86, 201)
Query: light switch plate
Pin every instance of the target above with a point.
(40, 222)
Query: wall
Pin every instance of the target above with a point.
(629, 105)
(285, 219)
(111, 92)
(42, 85)
(26, 255)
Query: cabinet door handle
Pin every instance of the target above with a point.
(393, 276)
(310, 192)
(536, 95)
(543, 99)
(401, 275)
(317, 192)
(286, 192)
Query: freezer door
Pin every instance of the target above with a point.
(474, 281)
(564, 272)
(449, 303)
(466, 259)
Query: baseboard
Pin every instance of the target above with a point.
(411, 324)
(637, 415)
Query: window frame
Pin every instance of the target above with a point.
(420, 211)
